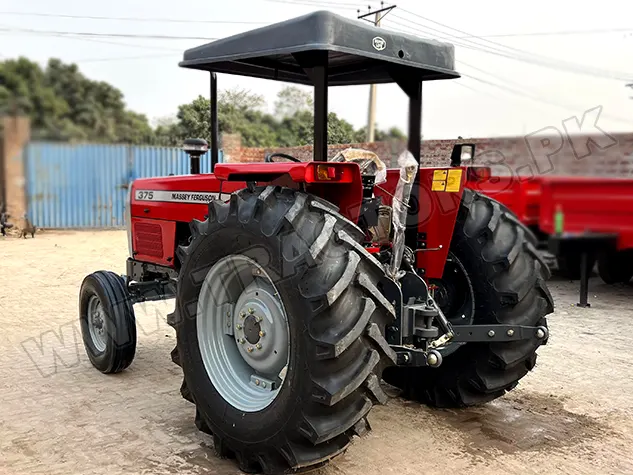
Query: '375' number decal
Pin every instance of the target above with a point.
(144, 195)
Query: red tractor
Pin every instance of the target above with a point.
(300, 286)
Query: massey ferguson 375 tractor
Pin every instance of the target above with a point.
(300, 286)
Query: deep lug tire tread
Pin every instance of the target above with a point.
(508, 278)
(344, 330)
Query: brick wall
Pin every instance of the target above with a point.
(16, 134)
(605, 155)
(237, 154)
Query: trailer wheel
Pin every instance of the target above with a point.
(280, 329)
(507, 278)
(616, 267)
(107, 321)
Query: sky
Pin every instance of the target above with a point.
(590, 48)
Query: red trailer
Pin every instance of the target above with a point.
(597, 220)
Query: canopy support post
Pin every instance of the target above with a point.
(213, 122)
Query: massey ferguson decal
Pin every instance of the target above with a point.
(196, 197)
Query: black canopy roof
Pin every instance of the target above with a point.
(357, 52)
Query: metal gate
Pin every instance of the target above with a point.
(85, 185)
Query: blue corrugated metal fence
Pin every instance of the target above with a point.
(85, 185)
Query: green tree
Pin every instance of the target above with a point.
(394, 133)
(291, 101)
(242, 112)
(65, 105)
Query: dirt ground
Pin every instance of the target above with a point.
(572, 415)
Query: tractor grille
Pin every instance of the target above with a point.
(148, 239)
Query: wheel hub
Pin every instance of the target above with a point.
(243, 333)
(261, 330)
(252, 329)
(96, 323)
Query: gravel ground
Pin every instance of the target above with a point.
(572, 415)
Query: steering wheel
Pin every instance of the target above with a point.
(270, 156)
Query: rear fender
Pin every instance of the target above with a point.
(336, 182)
(440, 196)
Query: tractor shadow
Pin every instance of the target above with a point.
(521, 422)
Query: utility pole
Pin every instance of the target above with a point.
(371, 113)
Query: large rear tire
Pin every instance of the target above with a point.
(507, 278)
(321, 289)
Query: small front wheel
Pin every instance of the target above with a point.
(108, 326)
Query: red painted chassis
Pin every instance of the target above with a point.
(154, 224)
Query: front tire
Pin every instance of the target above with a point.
(507, 278)
(108, 325)
(298, 249)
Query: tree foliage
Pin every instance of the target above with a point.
(65, 105)
(242, 112)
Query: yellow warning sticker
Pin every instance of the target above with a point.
(438, 185)
(439, 175)
(454, 180)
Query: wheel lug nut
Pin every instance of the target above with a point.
(258, 319)
(540, 333)
(249, 349)
(251, 310)
(242, 341)
(228, 314)
(257, 382)
(510, 332)
(242, 314)
(491, 333)
(262, 333)
(239, 327)
(263, 384)
(258, 346)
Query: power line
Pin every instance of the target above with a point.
(347, 5)
(371, 111)
(497, 49)
(475, 90)
(515, 53)
(536, 98)
(124, 58)
(137, 19)
(598, 31)
(536, 58)
(102, 41)
(106, 35)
